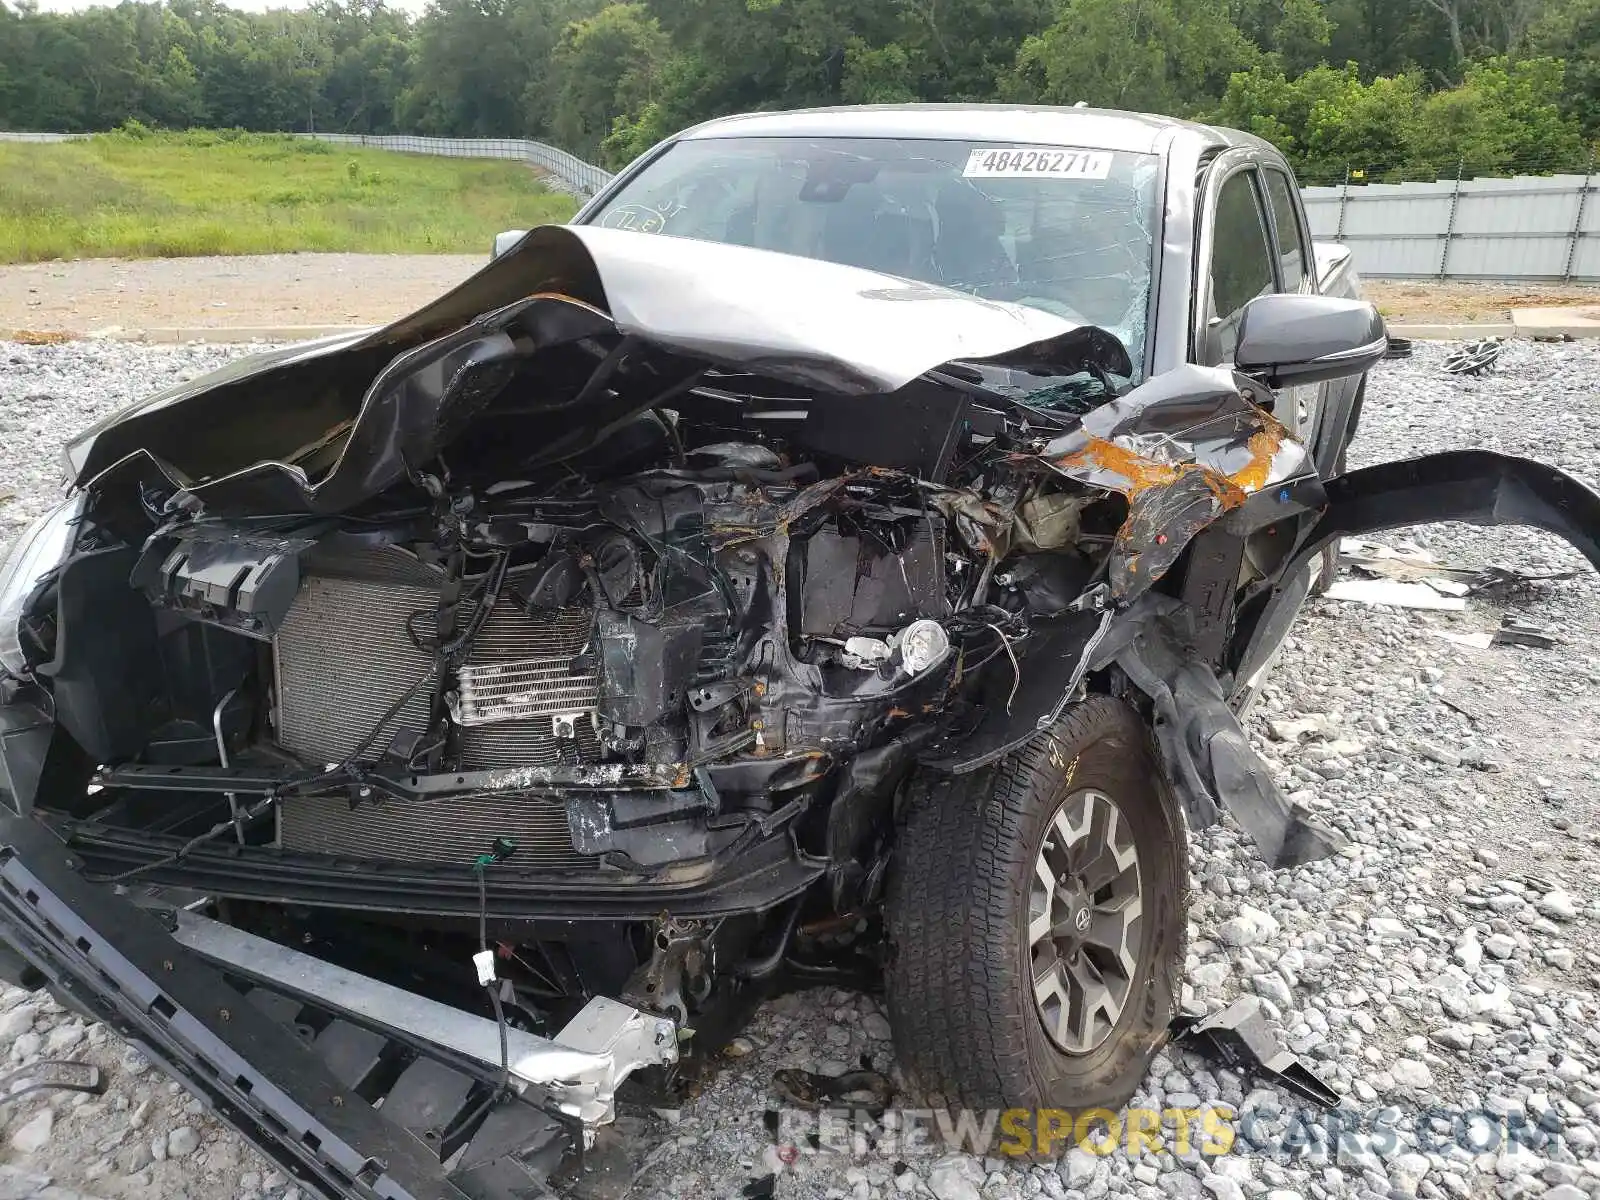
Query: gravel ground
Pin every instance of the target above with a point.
(1445, 965)
(218, 292)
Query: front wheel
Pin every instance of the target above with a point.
(1036, 920)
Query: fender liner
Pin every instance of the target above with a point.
(1477, 487)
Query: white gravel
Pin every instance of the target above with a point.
(1442, 973)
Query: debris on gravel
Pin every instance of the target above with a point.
(1442, 972)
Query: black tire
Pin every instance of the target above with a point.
(960, 979)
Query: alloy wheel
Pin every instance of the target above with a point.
(1085, 911)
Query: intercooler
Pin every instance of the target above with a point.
(456, 830)
(343, 659)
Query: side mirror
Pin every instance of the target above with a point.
(504, 241)
(1293, 339)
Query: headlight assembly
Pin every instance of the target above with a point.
(42, 548)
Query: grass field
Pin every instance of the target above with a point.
(150, 195)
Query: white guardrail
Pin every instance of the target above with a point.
(567, 171)
(570, 172)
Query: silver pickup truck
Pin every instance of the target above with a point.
(843, 552)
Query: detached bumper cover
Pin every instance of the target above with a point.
(161, 992)
(119, 963)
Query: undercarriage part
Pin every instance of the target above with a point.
(678, 972)
(1238, 1038)
(581, 1068)
(768, 964)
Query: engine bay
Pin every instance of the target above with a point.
(689, 617)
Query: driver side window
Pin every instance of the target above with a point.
(1241, 264)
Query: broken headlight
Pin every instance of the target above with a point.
(42, 548)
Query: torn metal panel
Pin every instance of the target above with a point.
(1478, 487)
(1185, 449)
(1395, 594)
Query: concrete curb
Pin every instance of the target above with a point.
(1453, 333)
(1557, 322)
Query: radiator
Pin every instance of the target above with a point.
(342, 660)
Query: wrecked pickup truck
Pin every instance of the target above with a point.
(410, 739)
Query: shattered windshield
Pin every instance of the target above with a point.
(1061, 229)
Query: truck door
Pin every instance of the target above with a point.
(1291, 244)
(1240, 260)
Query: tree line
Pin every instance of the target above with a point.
(1375, 88)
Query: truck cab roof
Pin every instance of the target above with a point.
(1090, 128)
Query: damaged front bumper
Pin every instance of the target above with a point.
(182, 997)
(580, 1069)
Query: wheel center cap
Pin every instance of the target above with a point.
(1082, 919)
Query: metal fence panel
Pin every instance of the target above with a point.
(40, 137)
(1529, 228)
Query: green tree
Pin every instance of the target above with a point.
(1571, 30)
(1329, 121)
(1428, 82)
(1505, 117)
(1150, 55)
(481, 67)
(604, 66)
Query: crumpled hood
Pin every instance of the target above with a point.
(377, 397)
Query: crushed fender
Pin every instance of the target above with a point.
(1185, 449)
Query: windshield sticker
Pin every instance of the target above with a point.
(638, 217)
(1025, 163)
